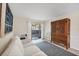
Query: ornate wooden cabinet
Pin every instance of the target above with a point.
(60, 32)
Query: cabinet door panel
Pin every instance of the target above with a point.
(60, 31)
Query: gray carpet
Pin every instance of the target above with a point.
(52, 50)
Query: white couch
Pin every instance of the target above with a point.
(16, 48)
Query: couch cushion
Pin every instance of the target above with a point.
(15, 48)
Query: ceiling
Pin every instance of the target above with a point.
(42, 11)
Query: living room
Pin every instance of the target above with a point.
(24, 15)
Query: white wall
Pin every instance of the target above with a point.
(29, 30)
(23, 26)
(20, 26)
(74, 29)
(47, 30)
(42, 32)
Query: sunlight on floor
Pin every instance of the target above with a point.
(37, 41)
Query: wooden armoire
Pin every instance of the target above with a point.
(60, 32)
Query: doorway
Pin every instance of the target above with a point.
(36, 31)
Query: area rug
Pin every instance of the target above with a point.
(52, 50)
